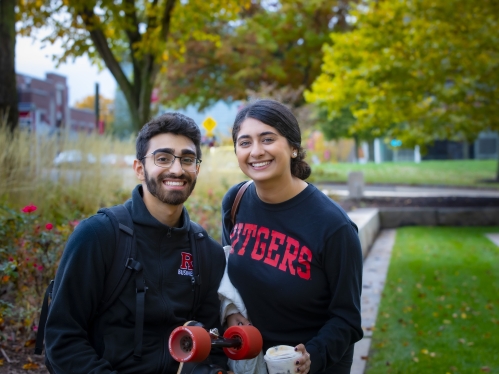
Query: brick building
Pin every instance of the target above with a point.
(44, 106)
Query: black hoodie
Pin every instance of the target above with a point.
(78, 341)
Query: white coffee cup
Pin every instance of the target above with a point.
(281, 359)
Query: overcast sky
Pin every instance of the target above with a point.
(81, 76)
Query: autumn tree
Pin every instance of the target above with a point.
(8, 88)
(106, 108)
(141, 33)
(273, 44)
(415, 70)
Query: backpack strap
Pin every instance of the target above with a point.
(198, 242)
(122, 267)
(40, 334)
(237, 200)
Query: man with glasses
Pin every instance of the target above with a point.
(77, 339)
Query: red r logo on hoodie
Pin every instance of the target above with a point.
(186, 263)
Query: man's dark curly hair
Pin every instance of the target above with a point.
(170, 122)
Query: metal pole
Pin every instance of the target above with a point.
(97, 109)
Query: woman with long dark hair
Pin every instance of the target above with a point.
(296, 259)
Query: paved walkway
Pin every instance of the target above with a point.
(408, 191)
(373, 280)
(494, 238)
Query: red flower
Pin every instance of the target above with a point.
(49, 226)
(29, 208)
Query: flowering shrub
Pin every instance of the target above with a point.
(30, 250)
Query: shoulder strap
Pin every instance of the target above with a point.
(40, 334)
(237, 200)
(122, 267)
(198, 242)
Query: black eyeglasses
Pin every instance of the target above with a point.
(165, 160)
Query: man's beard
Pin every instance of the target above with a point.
(169, 197)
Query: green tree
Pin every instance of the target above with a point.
(415, 70)
(8, 88)
(141, 32)
(273, 44)
(338, 126)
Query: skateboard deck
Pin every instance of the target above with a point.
(191, 344)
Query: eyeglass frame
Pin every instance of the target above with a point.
(198, 160)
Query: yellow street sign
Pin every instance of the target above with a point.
(209, 124)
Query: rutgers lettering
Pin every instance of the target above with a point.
(186, 262)
(273, 248)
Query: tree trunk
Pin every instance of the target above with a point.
(497, 174)
(356, 146)
(8, 86)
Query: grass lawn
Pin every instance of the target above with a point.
(448, 172)
(440, 307)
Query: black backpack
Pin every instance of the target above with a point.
(122, 267)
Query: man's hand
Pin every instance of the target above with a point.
(237, 319)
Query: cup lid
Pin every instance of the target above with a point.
(281, 352)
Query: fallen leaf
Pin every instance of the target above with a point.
(485, 369)
(364, 358)
(31, 366)
(30, 343)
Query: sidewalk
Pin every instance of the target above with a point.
(373, 280)
(408, 191)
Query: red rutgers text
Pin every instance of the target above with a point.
(273, 248)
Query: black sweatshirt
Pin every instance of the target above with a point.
(76, 342)
(298, 268)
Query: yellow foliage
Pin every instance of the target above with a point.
(415, 70)
(105, 107)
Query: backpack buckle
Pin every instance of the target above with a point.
(133, 265)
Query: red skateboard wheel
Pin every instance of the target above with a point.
(251, 342)
(189, 343)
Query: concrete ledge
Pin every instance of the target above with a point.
(368, 223)
(468, 216)
(397, 217)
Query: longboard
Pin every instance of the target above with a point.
(191, 344)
